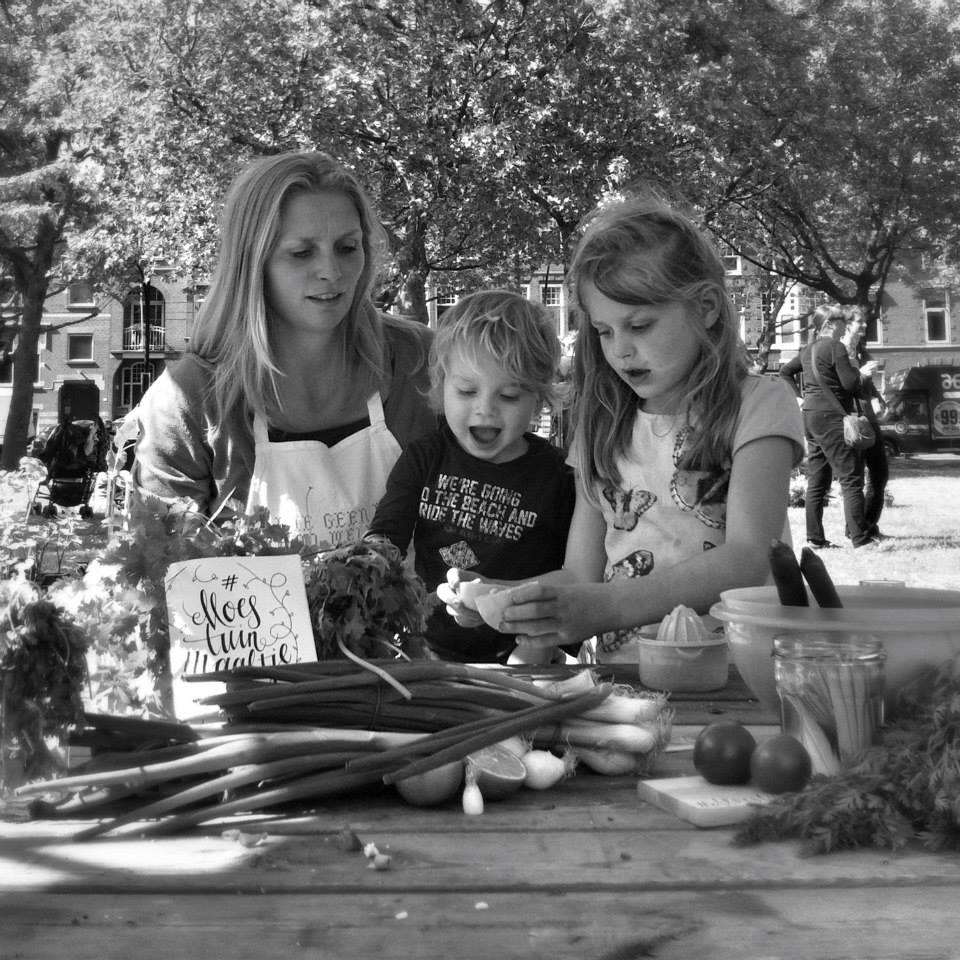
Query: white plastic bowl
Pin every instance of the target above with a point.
(919, 628)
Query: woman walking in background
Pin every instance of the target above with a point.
(876, 469)
(830, 385)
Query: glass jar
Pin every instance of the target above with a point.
(831, 694)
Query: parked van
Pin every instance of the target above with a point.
(923, 410)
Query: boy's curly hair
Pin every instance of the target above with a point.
(517, 332)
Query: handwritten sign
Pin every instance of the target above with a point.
(228, 612)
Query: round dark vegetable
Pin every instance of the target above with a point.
(781, 765)
(721, 753)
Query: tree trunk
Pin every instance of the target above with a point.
(24, 376)
(413, 298)
(32, 278)
(414, 269)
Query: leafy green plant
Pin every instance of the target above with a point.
(34, 547)
(908, 789)
(362, 597)
(42, 670)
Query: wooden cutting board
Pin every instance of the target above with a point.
(700, 803)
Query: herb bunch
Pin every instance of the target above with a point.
(42, 671)
(908, 789)
(363, 596)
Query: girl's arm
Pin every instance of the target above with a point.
(558, 613)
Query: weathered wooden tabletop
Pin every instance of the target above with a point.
(585, 871)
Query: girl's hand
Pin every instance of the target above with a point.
(449, 594)
(546, 615)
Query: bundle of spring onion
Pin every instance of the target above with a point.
(833, 704)
(313, 731)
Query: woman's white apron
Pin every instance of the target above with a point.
(324, 495)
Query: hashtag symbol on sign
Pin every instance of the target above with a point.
(230, 582)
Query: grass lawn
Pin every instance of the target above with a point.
(922, 522)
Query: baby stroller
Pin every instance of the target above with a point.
(73, 451)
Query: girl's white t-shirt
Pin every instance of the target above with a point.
(659, 515)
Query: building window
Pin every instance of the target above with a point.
(445, 300)
(936, 317)
(79, 347)
(134, 380)
(552, 294)
(80, 294)
(200, 292)
(792, 321)
(787, 333)
(133, 308)
(45, 343)
(6, 360)
(8, 292)
(733, 265)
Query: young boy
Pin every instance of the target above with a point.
(482, 493)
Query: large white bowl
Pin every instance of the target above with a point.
(919, 628)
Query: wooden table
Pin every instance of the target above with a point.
(584, 871)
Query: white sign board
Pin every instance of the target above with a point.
(227, 612)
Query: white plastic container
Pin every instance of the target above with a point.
(691, 667)
(919, 628)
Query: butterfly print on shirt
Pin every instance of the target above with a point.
(628, 505)
(636, 564)
(704, 492)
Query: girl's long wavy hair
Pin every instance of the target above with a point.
(234, 326)
(641, 251)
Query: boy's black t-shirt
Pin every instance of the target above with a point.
(508, 521)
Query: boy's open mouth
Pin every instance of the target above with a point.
(485, 435)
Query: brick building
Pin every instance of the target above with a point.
(106, 343)
(121, 346)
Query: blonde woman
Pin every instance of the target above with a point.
(297, 394)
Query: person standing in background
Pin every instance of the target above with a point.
(827, 371)
(876, 467)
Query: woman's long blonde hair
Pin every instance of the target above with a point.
(233, 328)
(641, 251)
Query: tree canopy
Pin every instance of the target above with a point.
(817, 140)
